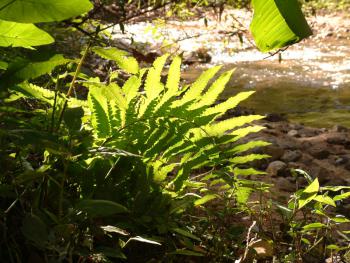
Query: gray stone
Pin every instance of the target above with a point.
(274, 151)
(291, 156)
(339, 128)
(284, 184)
(338, 139)
(319, 152)
(293, 133)
(341, 160)
(276, 168)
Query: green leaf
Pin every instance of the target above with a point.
(340, 219)
(334, 188)
(205, 199)
(341, 196)
(186, 252)
(143, 240)
(110, 252)
(26, 69)
(309, 193)
(14, 34)
(35, 11)
(72, 118)
(185, 233)
(313, 226)
(99, 115)
(313, 187)
(100, 208)
(35, 230)
(278, 23)
(114, 229)
(32, 91)
(243, 194)
(325, 200)
(129, 64)
(3, 65)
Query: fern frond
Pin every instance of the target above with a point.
(99, 115)
(173, 80)
(221, 127)
(131, 88)
(248, 158)
(230, 103)
(172, 86)
(246, 172)
(128, 64)
(242, 132)
(153, 85)
(35, 92)
(247, 146)
(214, 91)
(196, 89)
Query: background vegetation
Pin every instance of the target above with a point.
(133, 165)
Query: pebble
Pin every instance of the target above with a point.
(319, 152)
(284, 184)
(339, 128)
(291, 156)
(276, 168)
(274, 151)
(341, 160)
(293, 133)
(338, 139)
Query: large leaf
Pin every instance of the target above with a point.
(25, 69)
(14, 34)
(34, 11)
(100, 208)
(278, 23)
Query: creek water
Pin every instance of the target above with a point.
(310, 85)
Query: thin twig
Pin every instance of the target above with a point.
(72, 84)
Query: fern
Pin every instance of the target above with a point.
(101, 120)
(35, 92)
(122, 58)
(174, 129)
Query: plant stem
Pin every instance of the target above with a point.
(72, 84)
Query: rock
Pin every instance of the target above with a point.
(284, 184)
(341, 160)
(276, 168)
(291, 156)
(275, 117)
(321, 173)
(337, 138)
(275, 152)
(336, 181)
(308, 132)
(319, 152)
(293, 133)
(201, 55)
(339, 128)
(347, 166)
(296, 126)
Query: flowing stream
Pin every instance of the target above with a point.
(311, 84)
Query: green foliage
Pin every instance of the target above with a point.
(36, 11)
(170, 133)
(278, 23)
(125, 160)
(14, 34)
(125, 62)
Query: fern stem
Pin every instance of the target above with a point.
(72, 84)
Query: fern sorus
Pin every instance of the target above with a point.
(177, 130)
